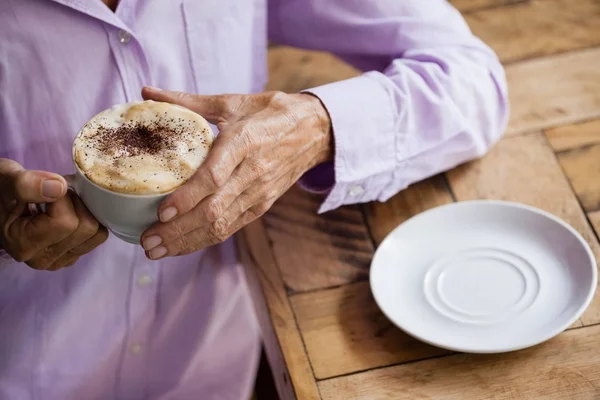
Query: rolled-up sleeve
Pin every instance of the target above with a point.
(433, 95)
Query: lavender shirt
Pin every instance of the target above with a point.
(118, 326)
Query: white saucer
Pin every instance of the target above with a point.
(483, 276)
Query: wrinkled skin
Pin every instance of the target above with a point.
(266, 142)
(44, 241)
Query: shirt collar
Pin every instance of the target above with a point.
(95, 9)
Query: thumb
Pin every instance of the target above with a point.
(27, 186)
(213, 108)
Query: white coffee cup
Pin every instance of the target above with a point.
(127, 216)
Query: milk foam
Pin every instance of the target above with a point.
(142, 147)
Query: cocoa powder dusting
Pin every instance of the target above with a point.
(133, 140)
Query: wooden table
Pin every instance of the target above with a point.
(326, 338)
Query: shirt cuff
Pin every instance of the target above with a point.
(363, 119)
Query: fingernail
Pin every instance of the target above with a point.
(52, 188)
(151, 242)
(168, 214)
(158, 252)
(153, 89)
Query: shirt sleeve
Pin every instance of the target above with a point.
(433, 95)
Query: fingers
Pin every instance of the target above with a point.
(214, 108)
(214, 172)
(28, 236)
(57, 238)
(100, 237)
(207, 211)
(247, 207)
(35, 187)
(201, 238)
(87, 228)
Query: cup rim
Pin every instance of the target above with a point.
(78, 171)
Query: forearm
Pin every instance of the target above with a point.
(436, 95)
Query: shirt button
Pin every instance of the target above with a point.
(355, 191)
(124, 36)
(144, 280)
(136, 348)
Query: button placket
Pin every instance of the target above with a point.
(124, 36)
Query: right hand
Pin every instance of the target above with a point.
(44, 241)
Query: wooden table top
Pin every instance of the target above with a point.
(325, 337)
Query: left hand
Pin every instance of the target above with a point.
(266, 142)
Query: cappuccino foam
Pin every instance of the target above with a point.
(142, 147)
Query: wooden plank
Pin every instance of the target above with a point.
(538, 28)
(345, 332)
(283, 345)
(466, 6)
(574, 136)
(564, 368)
(292, 70)
(582, 167)
(524, 169)
(316, 252)
(594, 218)
(384, 217)
(554, 91)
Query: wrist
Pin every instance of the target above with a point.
(324, 129)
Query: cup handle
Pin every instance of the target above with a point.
(71, 182)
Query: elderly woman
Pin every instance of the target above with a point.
(173, 320)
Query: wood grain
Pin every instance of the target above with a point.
(316, 252)
(283, 344)
(563, 368)
(554, 91)
(292, 70)
(574, 136)
(594, 218)
(524, 169)
(538, 28)
(384, 217)
(345, 332)
(582, 167)
(466, 6)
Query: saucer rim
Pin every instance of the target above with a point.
(501, 349)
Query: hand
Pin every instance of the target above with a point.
(266, 142)
(44, 241)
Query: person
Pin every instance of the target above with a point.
(173, 320)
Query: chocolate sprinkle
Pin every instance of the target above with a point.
(134, 140)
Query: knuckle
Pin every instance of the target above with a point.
(170, 232)
(271, 194)
(260, 169)
(214, 209)
(218, 230)
(67, 224)
(183, 97)
(41, 263)
(88, 226)
(277, 99)
(20, 257)
(181, 243)
(22, 254)
(176, 231)
(216, 176)
(260, 209)
(71, 262)
(103, 235)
